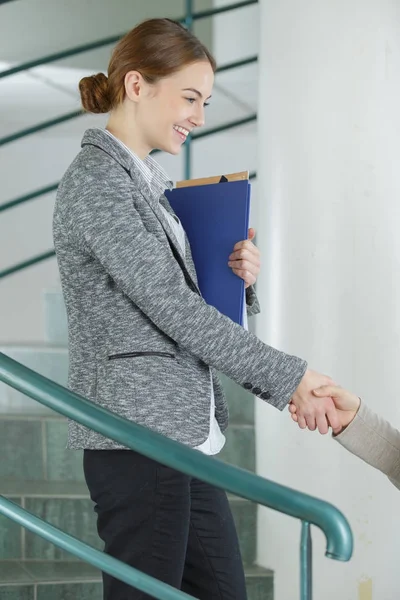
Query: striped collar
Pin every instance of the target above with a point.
(153, 173)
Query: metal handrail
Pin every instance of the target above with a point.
(98, 559)
(196, 16)
(41, 127)
(238, 63)
(87, 553)
(225, 127)
(339, 541)
(310, 510)
(27, 263)
(31, 196)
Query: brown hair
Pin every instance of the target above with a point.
(156, 48)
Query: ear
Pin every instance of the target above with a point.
(134, 84)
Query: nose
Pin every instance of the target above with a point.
(198, 117)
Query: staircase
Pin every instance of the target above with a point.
(38, 472)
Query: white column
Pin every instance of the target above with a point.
(329, 231)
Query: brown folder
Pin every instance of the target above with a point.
(243, 175)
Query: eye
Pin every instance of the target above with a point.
(206, 104)
(191, 100)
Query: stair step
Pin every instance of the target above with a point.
(29, 580)
(67, 505)
(43, 453)
(43, 489)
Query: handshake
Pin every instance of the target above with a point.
(319, 404)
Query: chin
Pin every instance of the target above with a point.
(171, 148)
(176, 150)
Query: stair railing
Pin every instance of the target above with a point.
(310, 510)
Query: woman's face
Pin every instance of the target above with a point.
(170, 109)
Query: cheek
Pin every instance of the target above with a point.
(179, 111)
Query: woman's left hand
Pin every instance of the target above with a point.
(245, 260)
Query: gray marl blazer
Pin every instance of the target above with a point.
(141, 337)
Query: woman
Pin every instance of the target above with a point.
(142, 341)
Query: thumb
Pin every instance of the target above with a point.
(337, 430)
(326, 390)
(252, 233)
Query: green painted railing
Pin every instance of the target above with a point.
(40, 127)
(98, 559)
(31, 196)
(27, 263)
(310, 510)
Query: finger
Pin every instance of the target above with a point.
(244, 265)
(292, 408)
(247, 277)
(301, 422)
(245, 253)
(333, 418)
(294, 418)
(327, 391)
(322, 423)
(337, 431)
(247, 262)
(252, 233)
(246, 245)
(311, 424)
(244, 274)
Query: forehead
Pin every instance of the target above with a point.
(198, 75)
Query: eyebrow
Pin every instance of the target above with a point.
(200, 95)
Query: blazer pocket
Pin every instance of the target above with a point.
(138, 354)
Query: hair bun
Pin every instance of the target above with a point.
(95, 96)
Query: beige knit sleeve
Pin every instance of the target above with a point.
(375, 441)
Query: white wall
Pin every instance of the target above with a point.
(329, 148)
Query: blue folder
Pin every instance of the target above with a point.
(216, 217)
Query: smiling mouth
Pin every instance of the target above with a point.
(182, 132)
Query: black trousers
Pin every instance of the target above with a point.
(167, 524)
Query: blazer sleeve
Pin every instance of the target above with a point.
(100, 215)
(252, 303)
(375, 441)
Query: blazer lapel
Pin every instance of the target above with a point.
(188, 254)
(158, 209)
